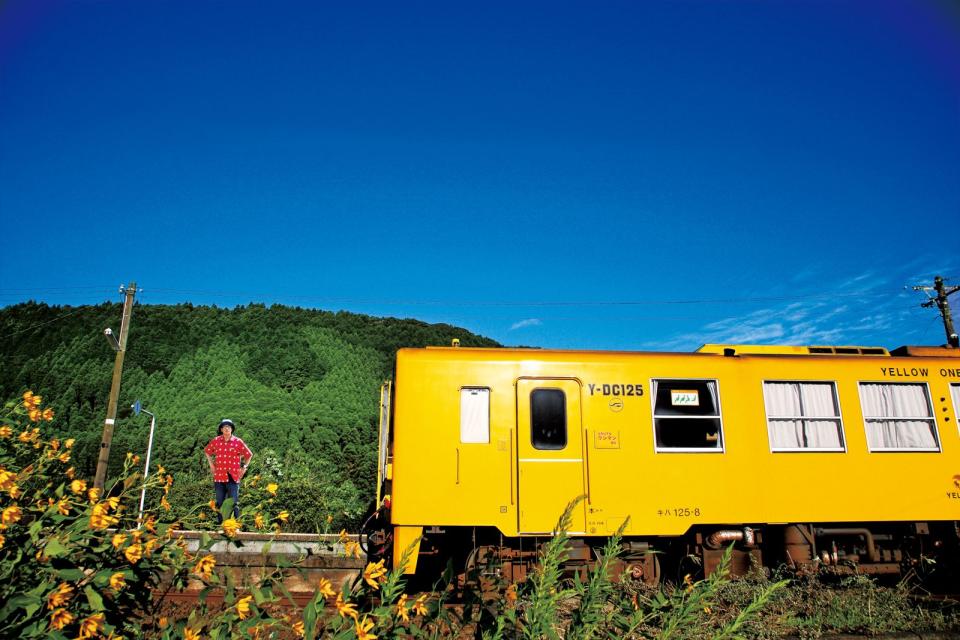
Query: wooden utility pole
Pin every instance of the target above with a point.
(121, 348)
(943, 305)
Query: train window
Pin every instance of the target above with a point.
(474, 415)
(898, 417)
(803, 416)
(955, 394)
(686, 415)
(548, 419)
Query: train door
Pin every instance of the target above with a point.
(550, 454)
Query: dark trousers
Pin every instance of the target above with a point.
(224, 490)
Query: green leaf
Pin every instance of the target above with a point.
(70, 575)
(55, 548)
(28, 602)
(96, 602)
(226, 509)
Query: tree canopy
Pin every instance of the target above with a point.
(302, 385)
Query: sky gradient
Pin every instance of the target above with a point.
(625, 176)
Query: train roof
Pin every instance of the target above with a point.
(735, 350)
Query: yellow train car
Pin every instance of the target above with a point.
(840, 456)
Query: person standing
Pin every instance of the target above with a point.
(228, 457)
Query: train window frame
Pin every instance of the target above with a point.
(837, 418)
(566, 424)
(932, 419)
(473, 425)
(721, 435)
(955, 397)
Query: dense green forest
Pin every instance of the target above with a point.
(302, 386)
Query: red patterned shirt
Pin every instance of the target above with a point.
(227, 455)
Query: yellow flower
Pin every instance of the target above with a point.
(91, 627)
(3, 539)
(11, 514)
(707, 610)
(298, 628)
(272, 488)
(325, 589)
(283, 516)
(48, 414)
(190, 634)
(363, 629)
(352, 548)
(345, 608)
(230, 527)
(118, 540)
(113, 502)
(213, 505)
(419, 607)
(59, 597)
(65, 458)
(7, 479)
(165, 503)
(243, 607)
(54, 444)
(24, 436)
(162, 622)
(78, 486)
(258, 521)
(15, 492)
(329, 518)
(93, 494)
(68, 443)
(204, 567)
(150, 524)
(63, 506)
(344, 536)
(35, 415)
(100, 519)
(512, 593)
(133, 553)
(60, 618)
(402, 612)
(374, 574)
(117, 581)
(6, 431)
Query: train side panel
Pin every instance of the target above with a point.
(513, 484)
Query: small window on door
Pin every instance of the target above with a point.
(548, 419)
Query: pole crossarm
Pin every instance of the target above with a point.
(943, 305)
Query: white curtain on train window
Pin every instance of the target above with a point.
(802, 415)
(898, 416)
(955, 392)
(474, 415)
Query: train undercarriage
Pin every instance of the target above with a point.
(927, 551)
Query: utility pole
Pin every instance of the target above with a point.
(121, 348)
(943, 305)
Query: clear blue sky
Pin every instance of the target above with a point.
(629, 175)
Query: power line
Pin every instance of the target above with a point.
(43, 324)
(520, 303)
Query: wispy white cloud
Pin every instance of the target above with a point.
(529, 322)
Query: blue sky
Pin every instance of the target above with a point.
(626, 175)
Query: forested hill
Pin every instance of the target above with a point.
(302, 385)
